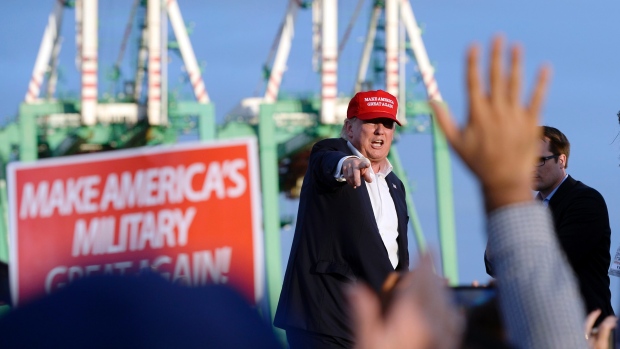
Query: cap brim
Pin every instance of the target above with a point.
(378, 115)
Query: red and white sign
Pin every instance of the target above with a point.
(191, 212)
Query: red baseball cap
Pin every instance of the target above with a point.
(371, 105)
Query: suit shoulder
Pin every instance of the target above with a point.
(580, 189)
(582, 198)
(330, 143)
(392, 176)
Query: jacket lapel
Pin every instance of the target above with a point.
(398, 196)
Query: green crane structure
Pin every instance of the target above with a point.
(286, 128)
(392, 32)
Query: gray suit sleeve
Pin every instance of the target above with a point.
(538, 292)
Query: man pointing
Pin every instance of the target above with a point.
(351, 225)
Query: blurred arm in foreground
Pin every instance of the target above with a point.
(538, 293)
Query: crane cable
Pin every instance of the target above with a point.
(352, 21)
(273, 49)
(121, 53)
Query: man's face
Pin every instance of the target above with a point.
(549, 175)
(373, 138)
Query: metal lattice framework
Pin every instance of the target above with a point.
(285, 128)
(48, 127)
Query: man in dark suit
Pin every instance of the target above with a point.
(351, 226)
(581, 221)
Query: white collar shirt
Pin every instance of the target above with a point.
(545, 200)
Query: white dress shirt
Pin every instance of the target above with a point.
(382, 204)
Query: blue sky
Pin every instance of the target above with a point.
(232, 40)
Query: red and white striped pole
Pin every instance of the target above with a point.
(391, 47)
(329, 66)
(419, 51)
(153, 10)
(284, 48)
(45, 52)
(187, 51)
(89, 61)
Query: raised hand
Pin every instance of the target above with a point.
(420, 314)
(599, 337)
(499, 141)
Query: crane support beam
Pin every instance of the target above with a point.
(271, 218)
(46, 49)
(419, 51)
(443, 177)
(284, 48)
(368, 45)
(187, 52)
(53, 75)
(141, 67)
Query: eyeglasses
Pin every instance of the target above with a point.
(542, 159)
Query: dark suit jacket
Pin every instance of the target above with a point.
(582, 226)
(336, 242)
